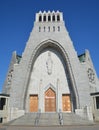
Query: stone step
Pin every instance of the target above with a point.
(49, 119)
(73, 119)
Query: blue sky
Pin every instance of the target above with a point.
(16, 22)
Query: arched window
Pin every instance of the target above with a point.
(40, 18)
(44, 18)
(53, 18)
(49, 18)
(58, 17)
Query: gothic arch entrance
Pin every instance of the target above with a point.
(60, 55)
(50, 100)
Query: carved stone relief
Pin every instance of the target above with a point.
(49, 64)
(10, 77)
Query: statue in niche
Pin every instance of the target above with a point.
(49, 64)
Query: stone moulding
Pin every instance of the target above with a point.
(51, 43)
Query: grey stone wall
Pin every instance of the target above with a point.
(54, 35)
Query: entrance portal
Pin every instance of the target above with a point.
(50, 101)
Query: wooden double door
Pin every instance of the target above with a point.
(50, 101)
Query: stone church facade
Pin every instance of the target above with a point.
(50, 76)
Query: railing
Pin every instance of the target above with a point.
(60, 117)
(37, 118)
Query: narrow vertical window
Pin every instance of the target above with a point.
(49, 18)
(53, 18)
(39, 29)
(48, 29)
(97, 102)
(44, 18)
(40, 18)
(53, 28)
(44, 29)
(58, 17)
(58, 28)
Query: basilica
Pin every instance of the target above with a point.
(49, 76)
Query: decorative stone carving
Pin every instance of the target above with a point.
(91, 75)
(49, 64)
(10, 77)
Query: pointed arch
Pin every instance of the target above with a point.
(50, 86)
(50, 100)
(68, 68)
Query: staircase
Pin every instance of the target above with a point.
(73, 119)
(49, 119)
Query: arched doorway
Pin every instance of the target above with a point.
(50, 100)
(57, 54)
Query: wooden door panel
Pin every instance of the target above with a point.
(33, 103)
(66, 102)
(50, 100)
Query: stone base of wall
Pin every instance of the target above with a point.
(4, 115)
(96, 115)
(14, 113)
(85, 112)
